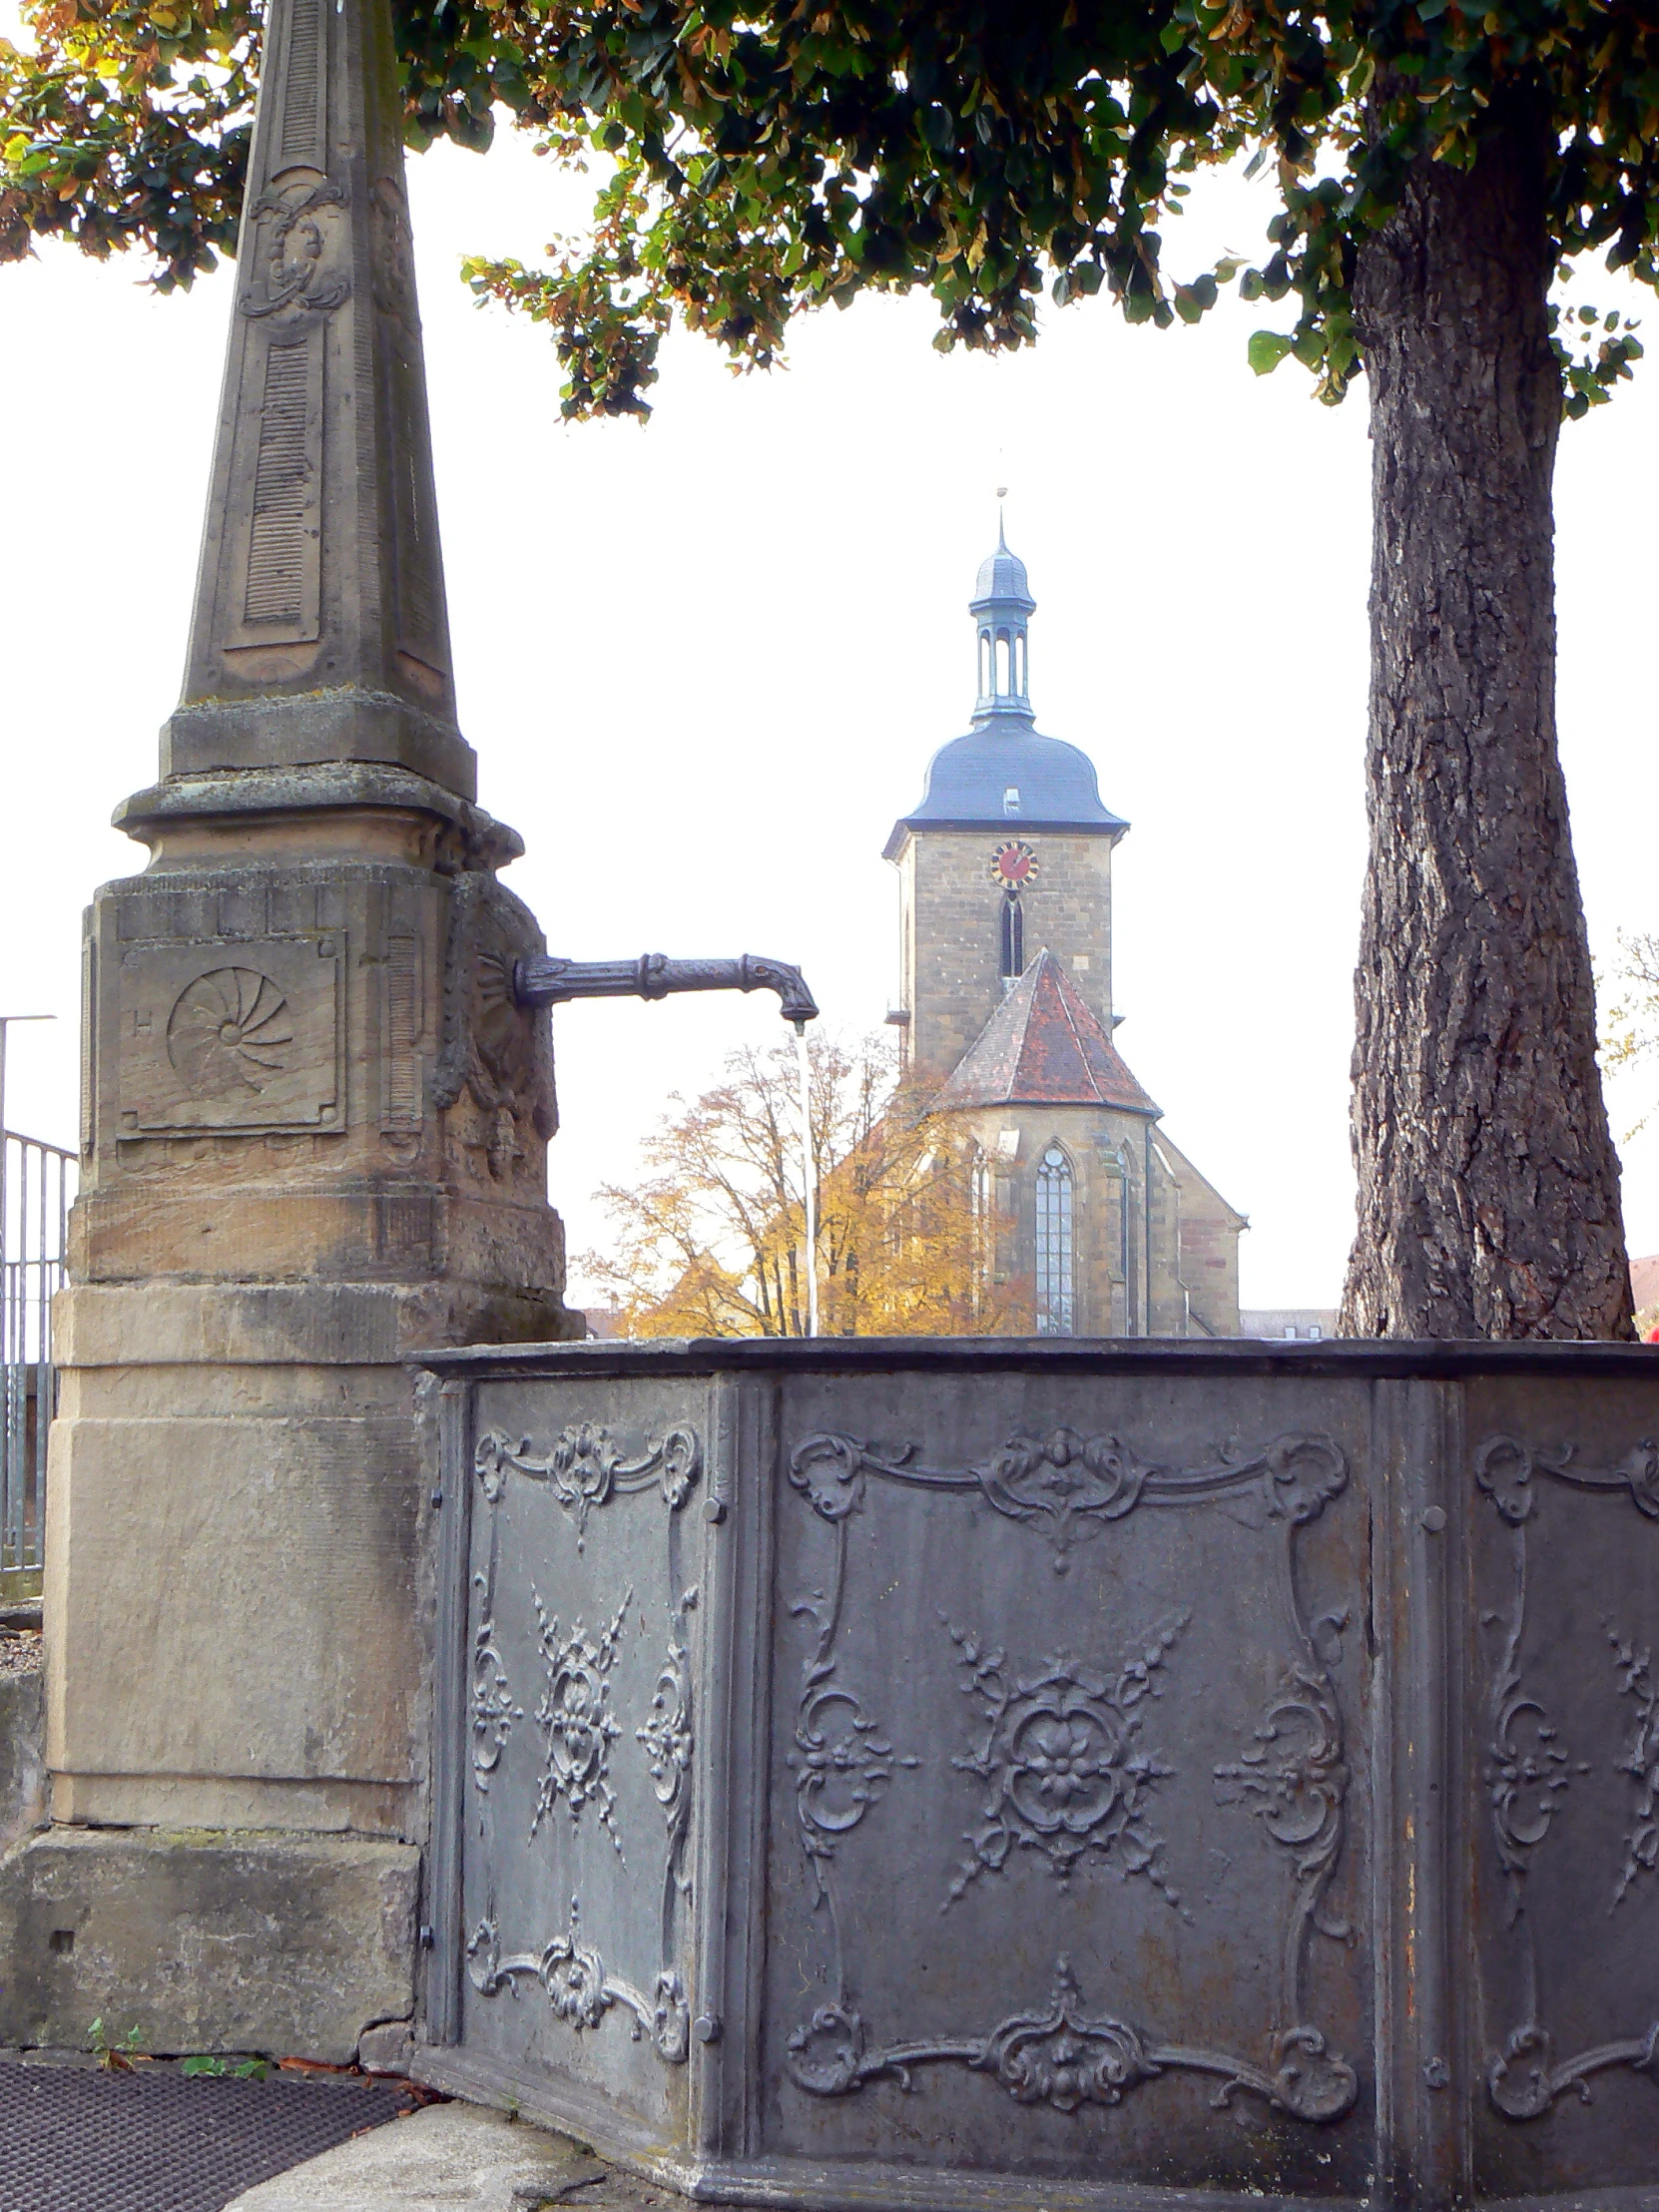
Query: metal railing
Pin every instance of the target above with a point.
(37, 1185)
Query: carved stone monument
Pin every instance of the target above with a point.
(314, 1127)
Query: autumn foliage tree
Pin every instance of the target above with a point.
(1436, 168)
(1630, 1033)
(710, 1241)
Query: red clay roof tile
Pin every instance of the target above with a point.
(1043, 1046)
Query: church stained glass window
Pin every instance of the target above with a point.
(1056, 1297)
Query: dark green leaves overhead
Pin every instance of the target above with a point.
(772, 157)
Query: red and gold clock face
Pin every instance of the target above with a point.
(1014, 865)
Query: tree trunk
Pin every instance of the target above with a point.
(1488, 1184)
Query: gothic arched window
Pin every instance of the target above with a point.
(1056, 1298)
(1014, 939)
(983, 1196)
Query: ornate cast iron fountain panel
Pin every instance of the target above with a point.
(580, 1714)
(905, 1772)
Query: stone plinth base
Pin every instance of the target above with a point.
(290, 1945)
(231, 1561)
(22, 1772)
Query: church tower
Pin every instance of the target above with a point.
(1006, 1016)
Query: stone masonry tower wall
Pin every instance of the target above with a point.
(951, 928)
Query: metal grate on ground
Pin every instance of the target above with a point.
(75, 2139)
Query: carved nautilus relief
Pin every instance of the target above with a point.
(228, 1032)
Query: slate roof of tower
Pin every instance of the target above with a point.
(1002, 577)
(1044, 1046)
(971, 779)
(968, 778)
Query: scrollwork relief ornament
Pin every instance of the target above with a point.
(841, 1764)
(1523, 2081)
(290, 271)
(1071, 1486)
(667, 1736)
(493, 1708)
(494, 1049)
(586, 1466)
(1058, 1748)
(575, 1715)
(1505, 1467)
(842, 1761)
(1526, 1773)
(580, 1991)
(1528, 1770)
(1640, 1761)
(1063, 2057)
(1295, 1782)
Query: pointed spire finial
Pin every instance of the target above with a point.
(321, 632)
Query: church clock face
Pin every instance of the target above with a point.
(1013, 866)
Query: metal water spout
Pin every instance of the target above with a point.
(545, 980)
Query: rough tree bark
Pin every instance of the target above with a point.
(1488, 1184)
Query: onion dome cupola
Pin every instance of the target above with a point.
(1003, 607)
(1003, 768)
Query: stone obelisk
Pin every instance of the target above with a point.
(313, 1140)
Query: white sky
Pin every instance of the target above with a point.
(705, 662)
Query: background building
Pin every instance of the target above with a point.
(1005, 938)
(1308, 1323)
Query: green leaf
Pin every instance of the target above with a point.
(1266, 350)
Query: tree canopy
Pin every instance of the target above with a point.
(766, 158)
